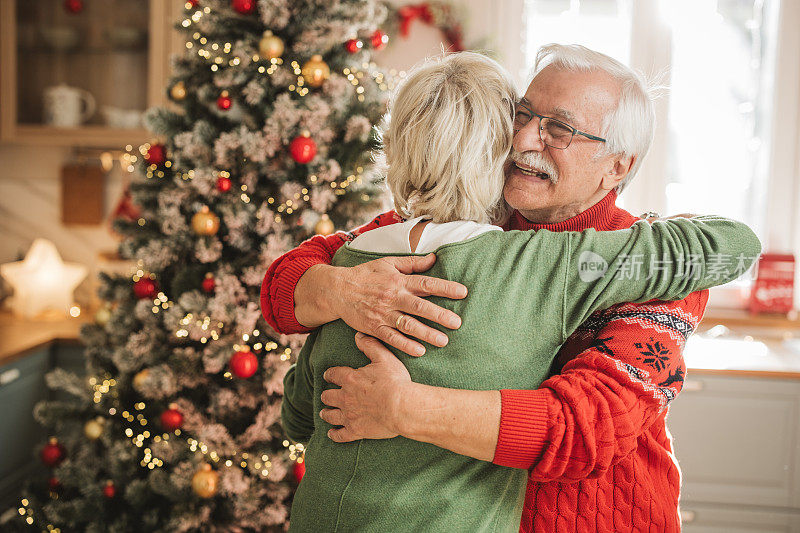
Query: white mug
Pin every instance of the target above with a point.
(62, 106)
(122, 118)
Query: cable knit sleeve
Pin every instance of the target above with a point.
(277, 289)
(580, 422)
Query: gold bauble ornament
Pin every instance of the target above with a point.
(205, 481)
(178, 91)
(204, 222)
(140, 378)
(270, 46)
(103, 315)
(315, 71)
(93, 429)
(324, 226)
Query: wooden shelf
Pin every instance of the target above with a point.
(91, 135)
(85, 50)
(148, 61)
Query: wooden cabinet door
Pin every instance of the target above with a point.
(120, 59)
(738, 440)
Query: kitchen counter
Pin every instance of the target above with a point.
(18, 336)
(743, 357)
(736, 343)
(731, 343)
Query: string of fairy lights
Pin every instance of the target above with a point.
(162, 302)
(215, 52)
(218, 54)
(136, 428)
(137, 435)
(259, 464)
(287, 206)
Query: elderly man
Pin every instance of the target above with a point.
(593, 436)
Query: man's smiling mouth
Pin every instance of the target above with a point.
(532, 172)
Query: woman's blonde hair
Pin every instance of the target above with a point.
(446, 137)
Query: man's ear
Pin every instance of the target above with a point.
(620, 166)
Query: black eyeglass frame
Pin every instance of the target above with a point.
(574, 131)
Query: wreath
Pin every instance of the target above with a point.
(440, 15)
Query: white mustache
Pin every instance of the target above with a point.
(535, 160)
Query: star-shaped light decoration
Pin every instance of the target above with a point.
(42, 281)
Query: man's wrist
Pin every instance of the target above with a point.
(403, 407)
(462, 421)
(316, 289)
(327, 284)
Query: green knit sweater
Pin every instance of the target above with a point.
(528, 291)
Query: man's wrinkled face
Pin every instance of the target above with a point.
(542, 180)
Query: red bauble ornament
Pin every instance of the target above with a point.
(126, 209)
(73, 6)
(299, 470)
(53, 453)
(223, 184)
(303, 148)
(109, 490)
(209, 283)
(245, 7)
(224, 101)
(171, 419)
(192, 3)
(353, 45)
(379, 39)
(156, 154)
(244, 364)
(145, 288)
(54, 484)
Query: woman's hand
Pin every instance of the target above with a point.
(380, 298)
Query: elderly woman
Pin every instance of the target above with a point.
(445, 142)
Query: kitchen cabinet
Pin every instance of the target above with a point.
(737, 440)
(698, 518)
(111, 56)
(22, 386)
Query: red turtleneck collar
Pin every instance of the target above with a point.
(602, 216)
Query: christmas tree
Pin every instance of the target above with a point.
(176, 426)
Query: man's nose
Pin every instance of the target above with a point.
(527, 139)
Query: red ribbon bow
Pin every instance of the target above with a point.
(409, 14)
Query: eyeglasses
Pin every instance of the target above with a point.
(552, 132)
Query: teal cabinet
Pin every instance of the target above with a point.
(22, 386)
(69, 356)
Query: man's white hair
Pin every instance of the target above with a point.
(446, 138)
(629, 129)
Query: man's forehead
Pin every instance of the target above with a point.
(555, 111)
(587, 95)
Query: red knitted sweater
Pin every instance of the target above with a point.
(593, 436)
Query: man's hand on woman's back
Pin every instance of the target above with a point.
(380, 298)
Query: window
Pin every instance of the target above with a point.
(602, 25)
(713, 151)
(721, 87)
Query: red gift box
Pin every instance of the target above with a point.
(773, 289)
